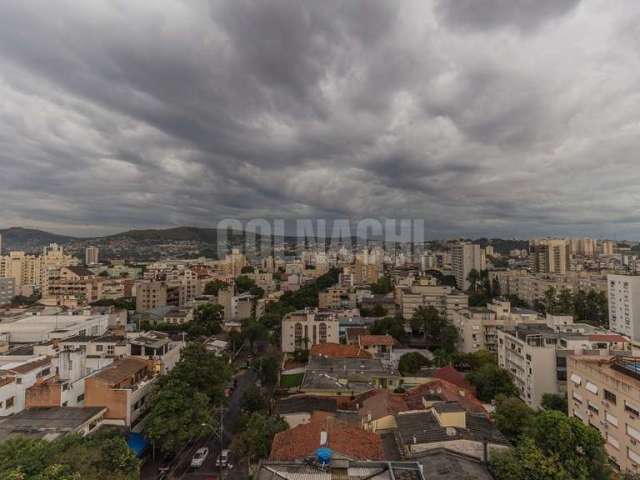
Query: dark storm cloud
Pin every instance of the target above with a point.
(487, 14)
(116, 114)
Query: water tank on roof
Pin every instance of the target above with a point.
(323, 455)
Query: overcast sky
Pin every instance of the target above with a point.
(484, 117)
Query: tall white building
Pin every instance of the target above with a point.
(624, 305)
(549, 255)
(91, 255)
(464, 258)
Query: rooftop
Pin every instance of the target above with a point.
(121, 370)
(371, 340)
(423, 427)
(306, 403)
(49, 422)
(344, 439)
(341, 469)
(443, 464)
(337, 350)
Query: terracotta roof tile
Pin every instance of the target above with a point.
(27, 367)
(337, 350)
(452, 375)
(369, 340)
(344, 439)
(445, 391)
(383, 403)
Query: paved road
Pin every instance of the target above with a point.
(209, 470)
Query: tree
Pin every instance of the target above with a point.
(473, 278)
(252, 400)
(382, 286)
(202, 371)
(389, 326)
(553, 401)
(513, 417)
(410, 363)
(212, 287)
(178, 415)
(247, 269)
(378, 310)
(527, 462)
(254, 441)
(491, 381)
(579, 448)
(564, 303)
(255, 331)
(436, 330)
(267, 368)
(207, 320)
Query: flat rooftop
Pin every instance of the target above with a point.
(47, 422)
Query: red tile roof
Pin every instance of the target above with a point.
(344, 439)
(337, 350)
(611, 337)
(370, 340)
(452, 375)
(446, 391)
(383, 403)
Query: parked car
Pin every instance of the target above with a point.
(199, 457)
(223, 459)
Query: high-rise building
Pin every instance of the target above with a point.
(624, 305)
(464, 258)
(606, 247)
(549, 255)
(604, 393)
(7, 290)
(583, 246)
(91, 255)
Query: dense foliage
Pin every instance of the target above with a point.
(254, 437)
(490, 381)
(438, 333)
(554, 446)
(591, 307)
(411, 363)
(102, 456)
(184, 399)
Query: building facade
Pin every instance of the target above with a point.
(305, 328)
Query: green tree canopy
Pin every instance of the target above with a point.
(513, 417)
(212, 287)
(254, 441)
(491, 381)
(554, 401)
(383, 286)
(410, 363)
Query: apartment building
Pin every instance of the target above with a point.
(7, 290)
(17, 374)
(464, 258)
(607, 247)
(337, 297)
(604, 392)
(624, 305)
(91, 255)
(532, 286)
(478, 326)
(150, 295)
(549, 255)
(305, 328)
(447, 300)
(42, 328)
(536, 355)
(123, 388)
(30, 271)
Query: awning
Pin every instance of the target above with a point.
(137, 443)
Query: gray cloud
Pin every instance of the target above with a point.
(171, 112)
(486, 14)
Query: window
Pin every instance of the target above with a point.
(10, 402)
(631, 409)
(80, 398)
(111, 349)
(610, 397)
(18, 380)
(99, 348)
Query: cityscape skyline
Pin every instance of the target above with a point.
(481, 118)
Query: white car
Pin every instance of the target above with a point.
(223, 459)
(200, 456)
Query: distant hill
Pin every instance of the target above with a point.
(18, 238)
(208, 235)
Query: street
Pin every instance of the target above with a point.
(180, 469)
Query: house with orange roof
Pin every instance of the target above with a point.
(338, 350)
(346, 440)
(378, 345)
